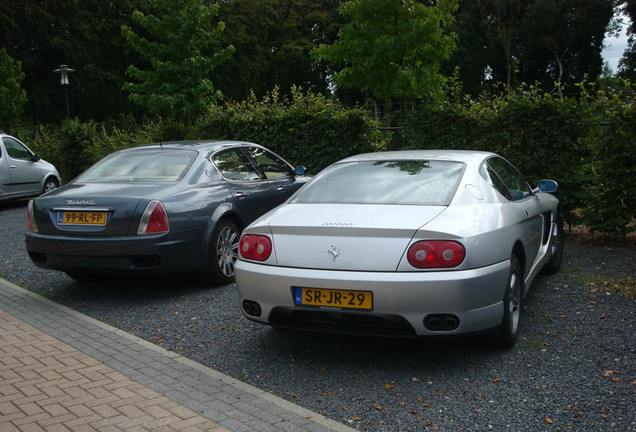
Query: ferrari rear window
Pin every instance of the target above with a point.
(140, 166)
(385, 182)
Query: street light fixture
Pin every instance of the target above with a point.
(64, 71)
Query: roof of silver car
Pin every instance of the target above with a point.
(450, 155)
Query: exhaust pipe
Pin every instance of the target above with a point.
(441, 322)
(252, 308)
(450, 323)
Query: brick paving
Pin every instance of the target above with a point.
(48, 385)
(63, 371)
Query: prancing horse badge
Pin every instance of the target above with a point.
(334, 252)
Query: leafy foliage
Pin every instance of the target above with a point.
(12, 95)
(75, 146)
(532, 41)
(627, 64)
(587, 145)
(570, 35)
(273, 39)
(176, 43)
(306, 128)
(84, 35)
(610, 204)
(392, 49)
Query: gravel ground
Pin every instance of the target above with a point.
(572, 369)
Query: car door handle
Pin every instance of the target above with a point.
(281, 189)
(240, 195)
(12, 167)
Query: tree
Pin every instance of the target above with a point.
(627, 64)
(12, 95)
(531, 41)
(503, 27)
(273, 39)
(86, 36)
(571, 32)
(392, 48)
(180, 44)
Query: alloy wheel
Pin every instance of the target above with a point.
(227, 250)
(514, 305)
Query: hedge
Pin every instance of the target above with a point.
(586, 144)
(306, 129)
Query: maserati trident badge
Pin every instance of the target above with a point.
(333, 252)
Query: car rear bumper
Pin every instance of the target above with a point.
(401, 301)
(139, 254)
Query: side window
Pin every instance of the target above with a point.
(16, 150)
(233, 164)
(495, 181)
(503, 175)
(272, 166)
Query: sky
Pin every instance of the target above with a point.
(614, 48)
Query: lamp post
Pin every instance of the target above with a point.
(64, 71)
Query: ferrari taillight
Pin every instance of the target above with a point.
(436, 254)
(154, 219)
(30, 218)
(255, 247)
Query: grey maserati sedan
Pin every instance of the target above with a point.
(411, 243)
(157, 209)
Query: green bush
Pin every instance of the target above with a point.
(74, 146)
(585, 144)
(307, 129)
(538, 133)
(610, 204)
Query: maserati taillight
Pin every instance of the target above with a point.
(255, 247)
(30, 218)
(154, 220)
(436, 254)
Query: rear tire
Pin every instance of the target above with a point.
(507, 333)
(224, 247)
(558, 244)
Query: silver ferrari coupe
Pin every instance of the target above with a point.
(410, 243)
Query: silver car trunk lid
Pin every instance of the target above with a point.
(344, 236)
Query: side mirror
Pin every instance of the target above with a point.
(300, 170)
(35, 158)
(548, 186)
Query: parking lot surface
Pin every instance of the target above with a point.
(572, 369)
(62, 370)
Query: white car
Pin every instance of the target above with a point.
(24, 174)
(412, 243)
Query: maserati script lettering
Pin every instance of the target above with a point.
(80, 202)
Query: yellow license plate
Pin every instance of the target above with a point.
(81, 218)
(333, 298)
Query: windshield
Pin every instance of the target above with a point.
(140, 166)
(385, 182)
